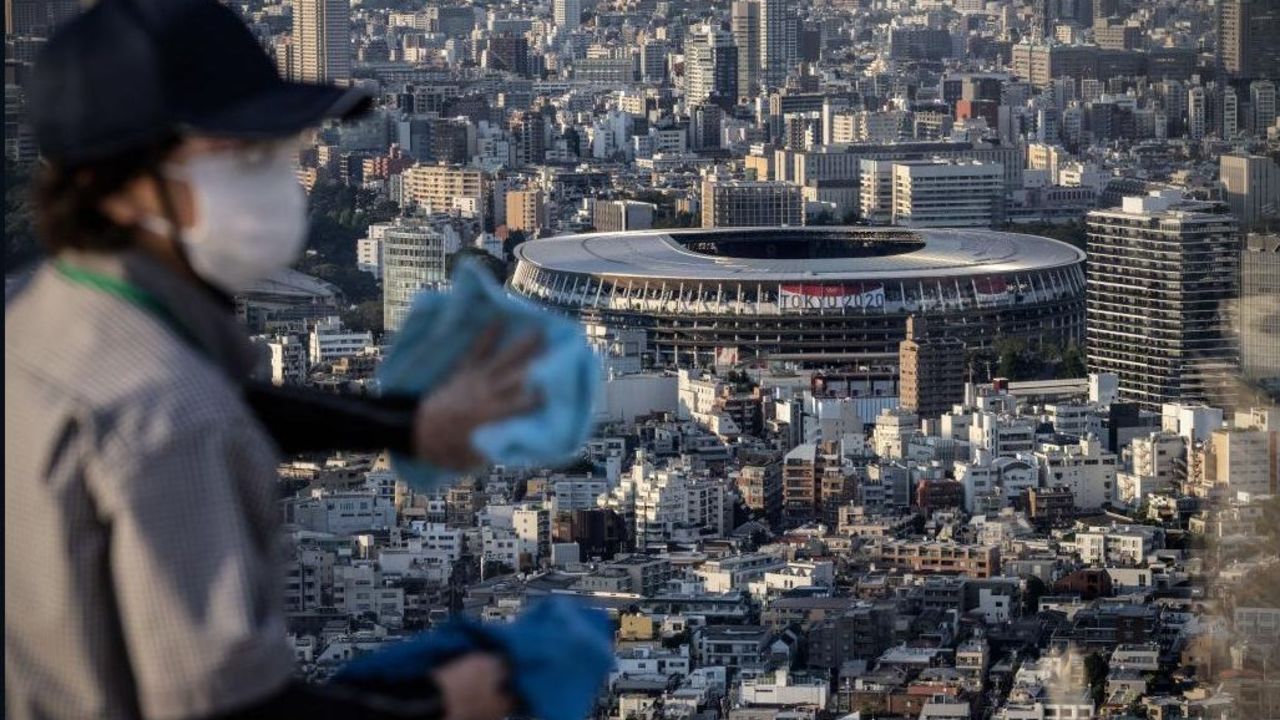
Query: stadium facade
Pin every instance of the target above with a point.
(819, 296)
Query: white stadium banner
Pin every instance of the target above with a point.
(854, 296)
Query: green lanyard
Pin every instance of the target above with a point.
(131, 294)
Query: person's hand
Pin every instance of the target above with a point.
(474, 687)
(486, 386)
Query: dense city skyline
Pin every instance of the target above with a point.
(940, 341)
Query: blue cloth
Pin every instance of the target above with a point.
(560, 653)
(442, 327)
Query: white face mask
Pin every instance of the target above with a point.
(251, 216)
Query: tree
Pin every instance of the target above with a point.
(1073, 233)
(1095, 673)
(495, 266)
(826, 217)
(515, 239)
(1009, 364)
(1071, 363)
(364, 316)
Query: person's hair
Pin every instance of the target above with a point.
(68, 199)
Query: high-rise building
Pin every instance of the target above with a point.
(1262, 101)
(37, 17)
(744, 23)
(930, 193)
(932, 370)
(653, 61)
(1230, 119)
(1251, 185)
(322, 40)
(455, 22)
(529, 130)
(413, 260)
(1161, 275)
(1249, 38)
(1197, 113)
(743, 203)
(567, 13)
(711, 66)
(1259, 311)
(508, 52)
(777, 42)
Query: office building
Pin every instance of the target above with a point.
(526, 211)
(369, 255)
(567, 13)
(711, 66)
(930, 193)
(1197, 113)
(37, 18)
(777, 42)
(1237, 460)
(744, 23)
(653, 61)
(1161, 274)
(455, 21)
(744, 203)
(1262, 105)
(329, 340)
(288, 360)
(1230, 117)
(322, 41)
(620, 215)
(413, 255)
(932, 370)
(1116, 34)
(1251, 186)
(1259, 311)
(1249, 38)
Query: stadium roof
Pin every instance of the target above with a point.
(901, 253)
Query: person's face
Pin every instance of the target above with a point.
(142, 196)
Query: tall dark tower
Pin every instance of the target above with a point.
(1248, 39)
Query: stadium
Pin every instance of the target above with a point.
(816, 296)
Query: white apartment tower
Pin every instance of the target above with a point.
(413, 256)
(711, 62)
(1161, 275)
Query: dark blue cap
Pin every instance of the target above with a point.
(128, 73)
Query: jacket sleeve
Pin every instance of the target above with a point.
(304, 420)
(343, 702)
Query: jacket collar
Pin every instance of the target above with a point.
(208, 320)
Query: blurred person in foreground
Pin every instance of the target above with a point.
(142, 543)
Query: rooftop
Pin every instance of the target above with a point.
(756, 254)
